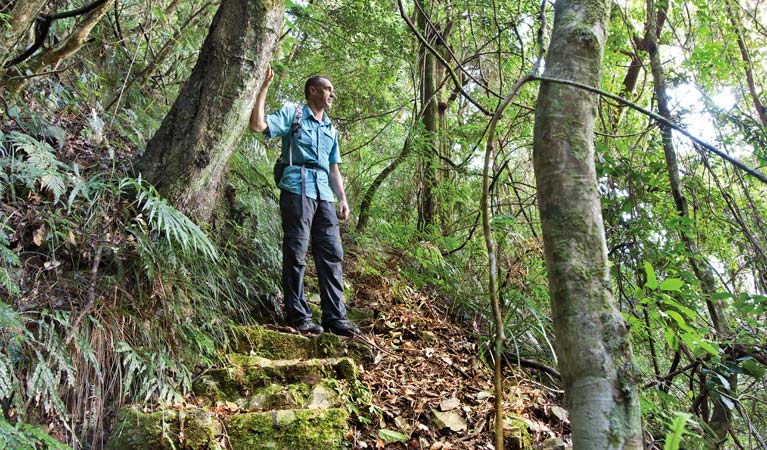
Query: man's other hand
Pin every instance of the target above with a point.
(343, 210)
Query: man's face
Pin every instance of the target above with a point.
(324, 93)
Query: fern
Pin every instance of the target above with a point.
(40, 166)
(24, 437)
(163, 218)
(8, 261)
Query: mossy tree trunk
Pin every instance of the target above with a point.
(592, 339)
(187, 158)
(427, 64)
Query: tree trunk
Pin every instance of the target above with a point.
(428, 67)
(592, 339)
(761, 110)
(720, 417)
(187, 158)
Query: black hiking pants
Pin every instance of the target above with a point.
(306, 220)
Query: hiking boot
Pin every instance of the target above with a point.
(343, 328)
(309, 327)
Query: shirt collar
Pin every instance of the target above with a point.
(309, 114)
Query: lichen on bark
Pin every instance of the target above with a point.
(591, 337)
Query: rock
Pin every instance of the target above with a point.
(448, 419)
(515, 433)
(289, 429)
(322, 398)
(560, 413)
(554, 443)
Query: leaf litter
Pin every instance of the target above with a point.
(429, 381)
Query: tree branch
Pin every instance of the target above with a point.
(753, 172)
(44, 26)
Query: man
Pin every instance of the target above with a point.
(307, 188)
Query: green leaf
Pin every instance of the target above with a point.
(679, 319)
(753, 368)
(674, 437)
(671, 284)
(391, 436)
(672, 339)
(652, 279)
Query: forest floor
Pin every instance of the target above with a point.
(434, 383)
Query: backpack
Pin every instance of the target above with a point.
(280, 164)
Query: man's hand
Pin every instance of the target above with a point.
(268, 77)
(343, 210)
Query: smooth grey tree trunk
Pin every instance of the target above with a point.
(592, 339)
(187, 158)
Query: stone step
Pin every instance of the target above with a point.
(273, 344)
(201, 429)
(245, 376)
(326, 394)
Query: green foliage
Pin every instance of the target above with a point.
(678, 429)
(159, 216)
(30, 163)
(358, 400)
(24, 436)
(9, 261)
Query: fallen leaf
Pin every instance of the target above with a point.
(50, 265)
(449, 419)
(392, 436)
(39, 236)
(449, 404)
(481, 395)
(401, 423)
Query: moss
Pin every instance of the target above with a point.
(137, 430)
(289, 429)
(346, 369)
(248, 374)
(192, 429)
(515, 433)
(272, 344)
(199, 429)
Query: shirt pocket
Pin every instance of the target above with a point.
(327, 138)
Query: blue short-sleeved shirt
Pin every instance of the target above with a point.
(316, 143)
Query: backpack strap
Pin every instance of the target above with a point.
(294, 129)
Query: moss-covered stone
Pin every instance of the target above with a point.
(273, 344)
(289, 429)
(192, 429)
(137, 430)
(259, 341)
(248, 374)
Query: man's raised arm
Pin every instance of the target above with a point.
(257, 122)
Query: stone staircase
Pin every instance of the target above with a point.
(277, 391)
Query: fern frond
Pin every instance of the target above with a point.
(40, 165)
(8, 260)
(166, 220)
